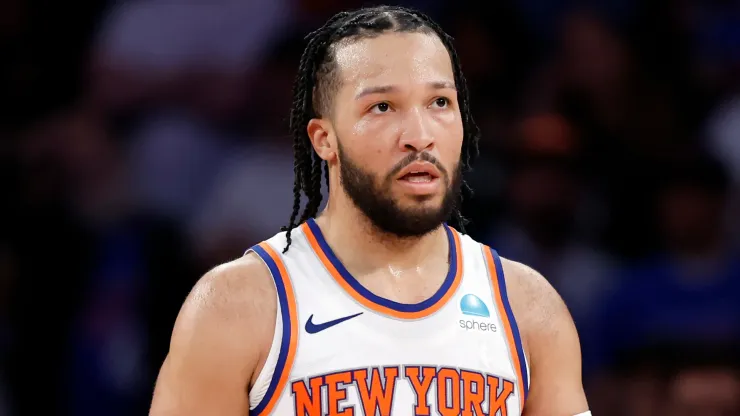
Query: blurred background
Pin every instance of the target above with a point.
(143, 142)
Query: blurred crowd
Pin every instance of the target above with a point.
(145, 141)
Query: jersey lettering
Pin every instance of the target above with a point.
(455, 392)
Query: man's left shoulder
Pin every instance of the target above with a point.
(550, 342)
(539, 310)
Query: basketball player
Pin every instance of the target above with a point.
(376, 306)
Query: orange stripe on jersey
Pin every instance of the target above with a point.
(286, 297)
(380, 304)
(507, 320)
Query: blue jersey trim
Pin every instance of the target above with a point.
(287, 324)
(512, 321)
(400, 307)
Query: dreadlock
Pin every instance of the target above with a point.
(317, 81)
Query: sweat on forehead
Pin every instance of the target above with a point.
(361, 59)
(393, 55)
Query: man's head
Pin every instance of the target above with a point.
(381, 104)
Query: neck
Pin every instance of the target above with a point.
(363, 247)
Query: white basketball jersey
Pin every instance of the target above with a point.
(341, 350)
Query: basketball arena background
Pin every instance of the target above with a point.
(145, 141)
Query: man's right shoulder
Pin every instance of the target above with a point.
(239, 288)
(242, 276)
(220, 341)
(236, 296)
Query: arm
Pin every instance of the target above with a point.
(550, 342)
(219, 342)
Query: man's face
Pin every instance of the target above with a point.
(398, 131)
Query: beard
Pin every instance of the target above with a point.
(373, 197)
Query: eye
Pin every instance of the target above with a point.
(442, 102)
(380, 108)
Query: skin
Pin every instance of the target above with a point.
(224, 331)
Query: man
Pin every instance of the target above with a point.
(376, 306)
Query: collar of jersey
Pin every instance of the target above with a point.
(380, 304)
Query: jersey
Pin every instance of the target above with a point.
(339, 349)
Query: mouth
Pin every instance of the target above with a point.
(419, 172)
(419, 178)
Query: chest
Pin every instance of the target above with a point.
(350, 359)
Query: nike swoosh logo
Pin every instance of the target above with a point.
(313, 328)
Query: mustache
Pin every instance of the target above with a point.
(417, 156)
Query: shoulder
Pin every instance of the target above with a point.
(220, 342)
(231, 289)
(230, 310)
(550, 342)
(541, 314)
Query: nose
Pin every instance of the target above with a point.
(416, 135)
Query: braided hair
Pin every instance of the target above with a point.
(317, 81)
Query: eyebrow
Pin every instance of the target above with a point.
(382, 89)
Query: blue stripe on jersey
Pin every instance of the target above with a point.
(285, 314)
(401, 307)
(512, 321)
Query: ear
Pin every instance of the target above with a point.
(320, 132)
